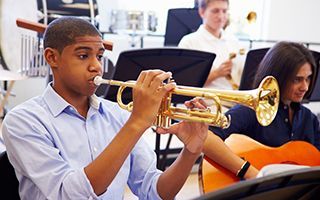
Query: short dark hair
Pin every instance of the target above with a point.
(63, 31)
(204, 3)
(283, 61)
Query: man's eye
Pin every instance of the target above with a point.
(100, 57)
(83, 56)
(296, 80)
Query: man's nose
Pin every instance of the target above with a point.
(305, 85)
(95, 65)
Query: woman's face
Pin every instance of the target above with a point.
(298, 86)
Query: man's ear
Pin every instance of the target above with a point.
(201, 12)
(51, 55)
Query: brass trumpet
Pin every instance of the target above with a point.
(264, 101)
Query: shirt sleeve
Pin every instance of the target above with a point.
(50, 174)
(185, 42)
(144, 175)
(242, 119)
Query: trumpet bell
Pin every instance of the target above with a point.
(268, 101)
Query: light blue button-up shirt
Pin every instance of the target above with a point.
(49, 144)
(2, 147)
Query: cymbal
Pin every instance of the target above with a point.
(6, 75)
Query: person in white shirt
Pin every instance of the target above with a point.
(211, 37)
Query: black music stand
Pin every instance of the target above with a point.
(189, 68)
(251, 65)
(295, 184)
(180, 22)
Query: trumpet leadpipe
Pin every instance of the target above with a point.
(98, 80)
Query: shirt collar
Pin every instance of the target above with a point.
(205, 33)
(57, 104)
(294, 105)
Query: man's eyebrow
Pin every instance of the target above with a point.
(82, 48)
(87, 48)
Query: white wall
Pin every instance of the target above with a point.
(294, 20)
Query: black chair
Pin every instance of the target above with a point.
(8, 182)
(302, 184)
(251, 65)
(180, 22)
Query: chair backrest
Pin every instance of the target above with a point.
(251, 65)
(9, 185)
(180, 22)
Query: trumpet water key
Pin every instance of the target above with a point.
(264, 101)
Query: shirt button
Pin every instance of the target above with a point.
(286, 120)
(95, 149)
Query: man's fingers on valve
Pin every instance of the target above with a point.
(150, 76)
(141, 78)
(196, 102)
(166, 88)
(158, 80)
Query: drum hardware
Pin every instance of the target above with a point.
(50, 10)
(152, 21)
(12, 53)
(135, 19)
(37, 65)
(32, 61)
(264, 101)
(133, 23)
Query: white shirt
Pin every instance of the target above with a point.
(203, 40)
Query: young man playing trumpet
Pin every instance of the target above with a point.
(70, 144)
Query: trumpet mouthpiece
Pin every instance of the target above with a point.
(97, 80)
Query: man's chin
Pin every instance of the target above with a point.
(297, 100)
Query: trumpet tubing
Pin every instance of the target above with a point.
(264, 101)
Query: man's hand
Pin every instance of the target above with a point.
(224, 69)
(192, 134)
(147, 95)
